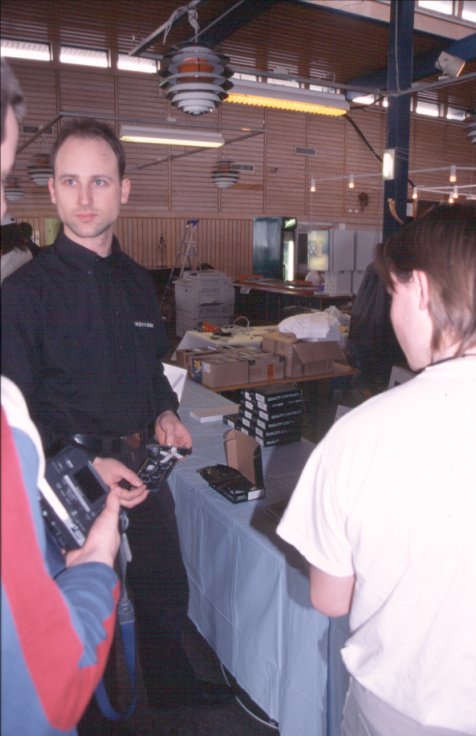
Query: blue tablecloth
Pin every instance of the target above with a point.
(249, 594)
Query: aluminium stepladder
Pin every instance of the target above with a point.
(186, 254)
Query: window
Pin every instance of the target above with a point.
(26, 50)
(427, 108)
(453, 113)
(283, 82)
(85, 57)
(469, 10)
(440, 6)
(365, 99)
(238, 76)
(136, 64)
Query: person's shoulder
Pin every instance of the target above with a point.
(375, 411)
(31, 272)
(16, 411)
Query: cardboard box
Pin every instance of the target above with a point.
(244, 454)
(242, 478)
(262, 366)
(185, 357)
(219, 369)
(303, 358)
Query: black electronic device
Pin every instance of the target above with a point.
(158, 464)
(72, 496)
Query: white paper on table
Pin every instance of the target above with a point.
(176, 377)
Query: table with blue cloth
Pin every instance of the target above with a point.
(249, 592)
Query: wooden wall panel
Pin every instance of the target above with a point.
(85, 91)
(284, 187)
(327, 135)
(138, 98)
(224, 244)
(150, 186)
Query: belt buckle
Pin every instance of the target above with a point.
(132, 441)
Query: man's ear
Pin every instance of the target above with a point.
(51, 189)
(125, 190)
(421, 281)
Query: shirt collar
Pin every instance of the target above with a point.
(83, 258)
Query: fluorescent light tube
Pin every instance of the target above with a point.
(171, 136)
(262, 94)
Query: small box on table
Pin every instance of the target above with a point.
(303, 358)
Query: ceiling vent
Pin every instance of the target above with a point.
(304, 151)
(242, 167)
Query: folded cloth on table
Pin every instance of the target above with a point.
(311, 326)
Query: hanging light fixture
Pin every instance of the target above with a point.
(450, 65)
(194, 78)
(280, 97)
(171, 136)
(13, 190)
(223, 175)
(40, 170)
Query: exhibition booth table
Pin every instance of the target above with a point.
(267, 298)
(242, 337)
(249, 593)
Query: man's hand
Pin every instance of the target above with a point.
(102, 542)
(169, 430)
(113, 472)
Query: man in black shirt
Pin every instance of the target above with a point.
(83, 338)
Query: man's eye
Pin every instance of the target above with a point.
(69, 182)
(100, 182)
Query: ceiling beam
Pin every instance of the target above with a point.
(240, 13)
(423, 64)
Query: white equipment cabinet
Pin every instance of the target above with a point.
(203, 296)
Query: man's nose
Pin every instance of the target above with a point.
(84, 194)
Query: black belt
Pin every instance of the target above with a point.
(106, 445)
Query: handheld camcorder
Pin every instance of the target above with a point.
(72, 496)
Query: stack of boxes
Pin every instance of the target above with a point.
(203, 296)
(272, 415)
(231, 366)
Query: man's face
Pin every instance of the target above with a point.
(8, 149)
(88, 192)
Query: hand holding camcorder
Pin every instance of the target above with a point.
(73, 493)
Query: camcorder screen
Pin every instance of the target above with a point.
(88, 484)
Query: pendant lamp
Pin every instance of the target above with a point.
(13, 190)
(195, 79)
(40, 170)
(223, 175)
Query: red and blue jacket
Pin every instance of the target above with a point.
(56, 629)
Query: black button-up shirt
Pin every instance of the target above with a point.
(83, 338)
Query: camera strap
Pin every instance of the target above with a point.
(126, 619)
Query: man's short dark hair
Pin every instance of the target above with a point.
(11, 96)
(89, 129)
